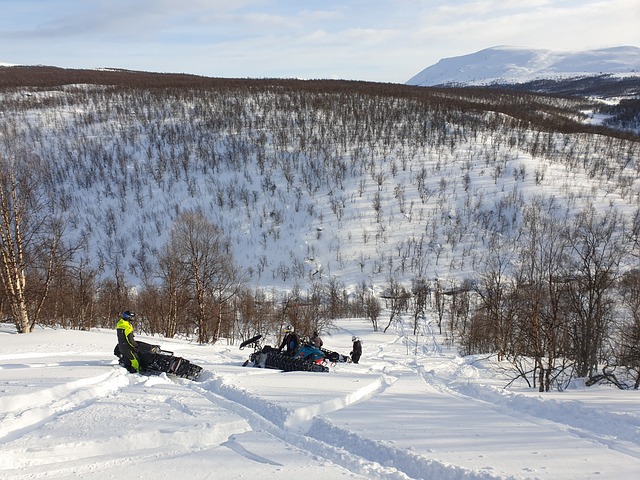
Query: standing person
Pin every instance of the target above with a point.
(127, 343)
(316, 340)
(357, 349)
(291, 341)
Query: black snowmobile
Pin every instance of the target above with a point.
(155, 360)
(304, 360)
(335, 357)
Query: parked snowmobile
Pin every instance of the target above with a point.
(335, 357)
(309, 349)
(310, 352)
(304, 360)
(154, 359)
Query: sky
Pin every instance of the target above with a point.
(372, 40)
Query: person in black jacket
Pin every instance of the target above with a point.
(316, 340)
(357, 349)
(127, 343)
(290, 342)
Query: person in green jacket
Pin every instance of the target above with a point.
(127, 343)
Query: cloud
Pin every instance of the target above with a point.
(385, 40)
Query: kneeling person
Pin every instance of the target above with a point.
(126, 342)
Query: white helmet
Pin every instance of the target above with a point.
(354, 338)
(288, 328)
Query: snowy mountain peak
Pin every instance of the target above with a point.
(510, 64)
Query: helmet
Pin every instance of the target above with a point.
(354, 338)
(288, 328)
(128, 315)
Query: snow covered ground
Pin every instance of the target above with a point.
(512, 64)
(408, 410)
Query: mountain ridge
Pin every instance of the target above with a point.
(515, 65)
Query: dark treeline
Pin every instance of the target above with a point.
(553, 112)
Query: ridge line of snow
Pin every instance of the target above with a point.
(300, 419)
(30, 410)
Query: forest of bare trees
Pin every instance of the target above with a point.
(500, 215)
(552, 304)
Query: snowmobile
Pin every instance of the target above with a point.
(312, 349)
(335, 357)
(306, 359)
(155, 360)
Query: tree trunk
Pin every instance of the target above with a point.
(21, 317)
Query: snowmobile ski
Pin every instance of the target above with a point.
(250, 341)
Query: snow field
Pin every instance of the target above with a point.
(412, 409)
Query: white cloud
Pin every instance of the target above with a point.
(382, 40)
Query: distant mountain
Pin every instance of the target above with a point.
(517, 65)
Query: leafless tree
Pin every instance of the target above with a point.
(421, 292)
(174, 284)
(597, 250)
(542, 266)
(207, 269)
(628, 335)
(30, 234)
(397, 299)
(372, 309)
(497, 310)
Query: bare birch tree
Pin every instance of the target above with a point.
(207, 268)
(30, 238)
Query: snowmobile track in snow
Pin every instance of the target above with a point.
(620, 433)
(308, 432)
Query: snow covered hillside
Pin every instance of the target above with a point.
(509, 64)
(412, 409)
(310, 180)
